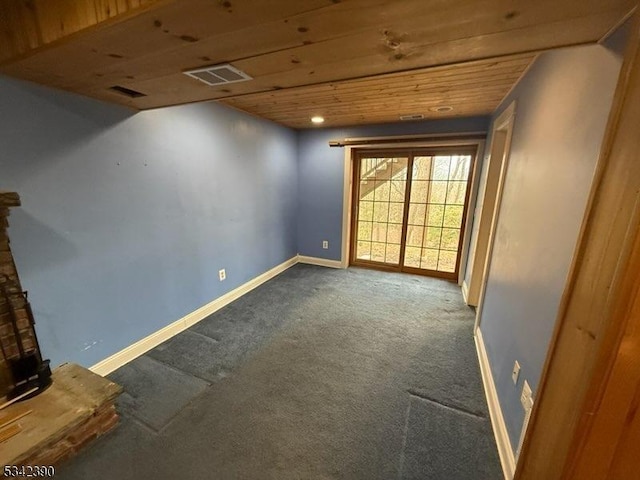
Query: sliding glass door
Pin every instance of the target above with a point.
(380, 209)
(409, 209)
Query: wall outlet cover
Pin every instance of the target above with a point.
(526, 398)
(325, 244)
(222, 274)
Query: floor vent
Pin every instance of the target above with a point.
(127, 92)
(218, 75)
(414, 116)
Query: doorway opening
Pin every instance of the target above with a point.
(410, 208)
(489, 207)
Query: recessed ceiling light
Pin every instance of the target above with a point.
(317, 119)
(441, 109)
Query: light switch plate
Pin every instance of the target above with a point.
(515, 373)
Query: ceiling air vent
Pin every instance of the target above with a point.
(127, 92)
(413, 116)
(218, 74)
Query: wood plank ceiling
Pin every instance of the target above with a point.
(353, 61)
(472, 88)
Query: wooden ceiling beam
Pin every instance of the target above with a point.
(28, 25)
(170, 39)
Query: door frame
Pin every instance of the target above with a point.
(411, 154)
(347, 203)
(490, 212)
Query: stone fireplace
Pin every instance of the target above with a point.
(17, 335)
(80, 405)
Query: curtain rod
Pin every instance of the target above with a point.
(407, 138)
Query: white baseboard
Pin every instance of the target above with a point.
(465, 291)
(133, 351)
(323, 262)
(505, 451)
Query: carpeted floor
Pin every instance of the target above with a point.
(317, 374)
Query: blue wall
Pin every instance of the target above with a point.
(562, 106)
(126, 219)
(321, 177)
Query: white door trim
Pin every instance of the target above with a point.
(503, 123)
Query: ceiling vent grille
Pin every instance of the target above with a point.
(413, 116)
(127, 91)
(218, 75)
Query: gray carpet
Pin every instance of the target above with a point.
(317, 374)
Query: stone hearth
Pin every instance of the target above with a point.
(77, 408)
(55, 425)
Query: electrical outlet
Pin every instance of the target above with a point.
(515, 373)
(526, 398)
(222, 274)
(325, 244)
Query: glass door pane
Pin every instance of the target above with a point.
(436, 211)
(380, 209)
